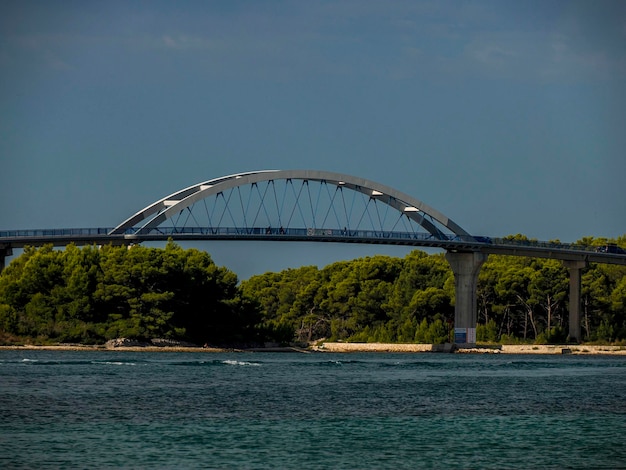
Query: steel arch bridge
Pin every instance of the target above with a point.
(293, 203)
(309, 205)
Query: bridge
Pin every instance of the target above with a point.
(320, 206)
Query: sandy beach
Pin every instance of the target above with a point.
(495, 349)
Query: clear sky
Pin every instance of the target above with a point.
(508, 116)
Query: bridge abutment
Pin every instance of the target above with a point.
(465, 267)
(575, 271)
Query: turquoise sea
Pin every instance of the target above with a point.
(109, 409)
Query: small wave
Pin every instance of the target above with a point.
(38, 362)
(212, 363)
(114, 363)
(196, 363)
(232, 362)
(331, 363)
(342, 362)
(423, 364)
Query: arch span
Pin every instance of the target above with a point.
(296, 199)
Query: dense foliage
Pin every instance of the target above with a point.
(412, 299)
(93, 294)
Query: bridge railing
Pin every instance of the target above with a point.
(241, 231)
(543, 244)
(301, 233)
(371, 234)
(54, 232)
(221, 231)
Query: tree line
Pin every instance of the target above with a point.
(92, 294)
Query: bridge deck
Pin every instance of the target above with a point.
(99, 236)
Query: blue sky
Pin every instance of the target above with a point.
(507, 116)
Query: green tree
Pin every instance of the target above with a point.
(512, 290)
(435, 332)
(487, 333)
(547, 288)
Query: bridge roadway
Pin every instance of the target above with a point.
(486, 245)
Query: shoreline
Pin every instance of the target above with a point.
(553, 349)
(336, 347)
(102, 348)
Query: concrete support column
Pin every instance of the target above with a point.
(465, 267)
(575, 268)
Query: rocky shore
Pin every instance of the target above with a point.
(125, 344)
(82, 347)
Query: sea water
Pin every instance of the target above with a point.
(109, 409)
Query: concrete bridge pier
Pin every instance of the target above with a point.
(465, 267)
(575, 268)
